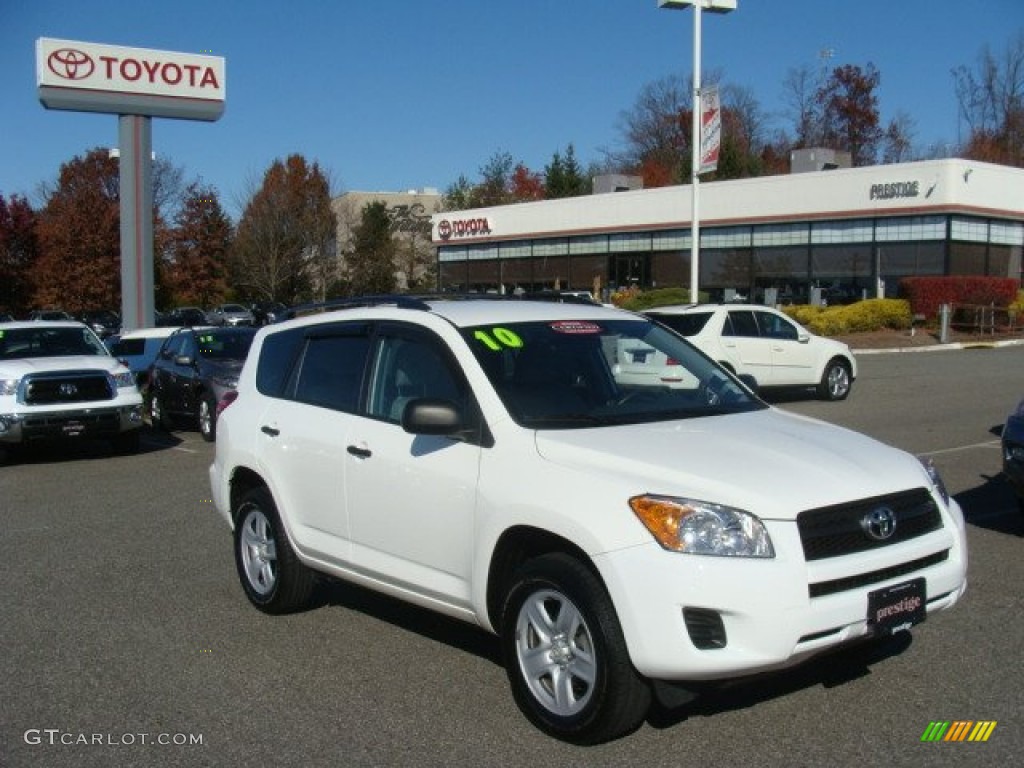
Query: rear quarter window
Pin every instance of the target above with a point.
(689, 324)
(277, 358)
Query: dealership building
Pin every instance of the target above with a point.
(840, 234)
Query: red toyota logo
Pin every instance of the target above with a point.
(71, 64)
(444, 229)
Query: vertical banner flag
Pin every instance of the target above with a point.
(710, 129)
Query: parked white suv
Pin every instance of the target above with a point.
(494, 461)
(58, 382)
(764, 343)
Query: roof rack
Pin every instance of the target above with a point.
(405, 301)
(419, 301)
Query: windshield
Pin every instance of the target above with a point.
(17, 343)
(581, 373)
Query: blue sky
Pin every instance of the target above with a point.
(404, 94)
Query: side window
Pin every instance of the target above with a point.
(776, 327)
(172, 347)
(331, 371)
(408, 369)
(741, 323)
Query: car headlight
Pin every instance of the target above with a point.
(123, 380)
(701, 528)
(936, 480)
(9, 387)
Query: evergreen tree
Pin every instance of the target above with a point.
(371, 264)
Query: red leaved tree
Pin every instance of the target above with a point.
(18, 253)
(79, 237)
(197, 249)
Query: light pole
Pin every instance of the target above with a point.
(714, 6)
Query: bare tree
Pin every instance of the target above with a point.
(898, 140)
(991, 102)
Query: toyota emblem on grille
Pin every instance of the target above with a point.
(71, 64)
(68, 390)
(879, 524)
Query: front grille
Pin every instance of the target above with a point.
(840, 529)
(67, 387)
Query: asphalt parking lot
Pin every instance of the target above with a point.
(127, 639)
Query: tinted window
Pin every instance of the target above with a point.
(689, 324)
(277, 357)
(330, 372)
(776, 327)
(741, 323)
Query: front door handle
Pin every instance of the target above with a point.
(362, 453)
(272, 431)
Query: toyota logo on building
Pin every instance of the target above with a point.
(444, 229)
(879, 524)
(71, 64)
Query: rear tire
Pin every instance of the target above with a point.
(274, 579)
(565, 654)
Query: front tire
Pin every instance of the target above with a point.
(158, 416)
(835, 381)
(565, 654)
(207, 417)
(274, 579)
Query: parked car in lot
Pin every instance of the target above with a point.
(59, 383)
(230, 314)
(49, 314)
(138, 349)
(182, 316)
(267, 312)
(103, 322)
(193, 370)
(766, 344)
(1012, 440)
(493, 461)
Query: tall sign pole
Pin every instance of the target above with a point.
(714, 6)
(136, 84)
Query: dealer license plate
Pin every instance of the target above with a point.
(897, 608)
(73, 428)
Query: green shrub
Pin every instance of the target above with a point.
(868, 315)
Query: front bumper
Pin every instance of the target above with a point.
(44, 425)
(768, 618)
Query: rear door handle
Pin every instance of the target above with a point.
(362, 453)
(272, 431)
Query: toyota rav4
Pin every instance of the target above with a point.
(501, 462)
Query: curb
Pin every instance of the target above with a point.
(941, 347)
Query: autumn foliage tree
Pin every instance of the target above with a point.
(79, 265)
(284, 246)
(18, 252)
(197, 249)
(849, 116)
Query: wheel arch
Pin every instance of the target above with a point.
(244, 480)
(516, 546)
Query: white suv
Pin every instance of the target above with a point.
(764, 343)
(494, 461)
(58, 382)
